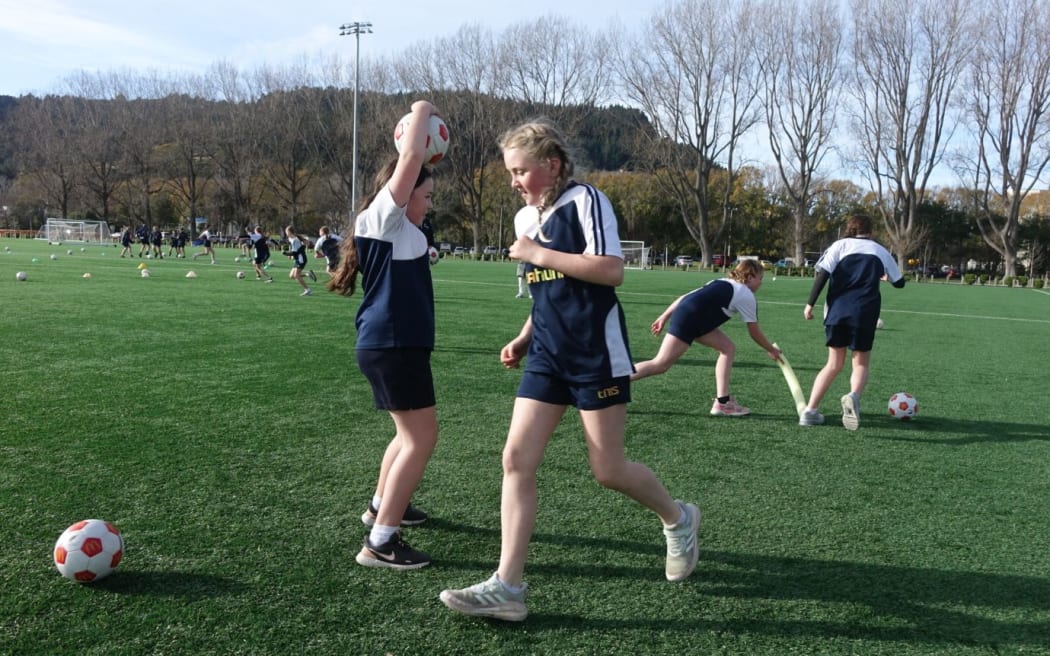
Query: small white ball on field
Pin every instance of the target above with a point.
(21, 275)
(880, 323)
(774, 278)
(87, 275)
(69, 252)
(434, 255)
(191, 274)
(145, 273)
(54, 257)
(240, 274)
(237, 259)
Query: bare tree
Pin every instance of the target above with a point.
(461, 75)
(43, 129)
(188, 112)
(908, 56)
(554, 74)
(237, 151)
(96, 139)
(695, 73)
(1009, 107)
(802, 80)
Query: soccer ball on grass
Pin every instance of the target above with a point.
(88, 550)
(903, 406)
(434, 255)
(437, 137)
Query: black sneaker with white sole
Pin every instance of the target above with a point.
(413, 516)
(394, 554)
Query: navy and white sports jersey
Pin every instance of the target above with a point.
(578, 328)
(855, 267)
(397, 307)
(297, 250)
(702, 310)
(262, 248)
(205, 238)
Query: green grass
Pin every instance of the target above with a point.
(223, 426)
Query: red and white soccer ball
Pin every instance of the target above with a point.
(437, 137)
(903, 406)
(88, 550)
(434, 255)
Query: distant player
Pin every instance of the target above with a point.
(125, 241)
(696, 317)
(327, 246)
(854, 266)
(297, 251)
(205, 239)
(261, 245)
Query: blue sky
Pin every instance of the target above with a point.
(44, 41)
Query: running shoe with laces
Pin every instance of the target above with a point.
(851, 411)
(729, 409)
(393, 554)
(413, 516)
(490, 598)
(308, 292)
(682, 548)
(810, 418)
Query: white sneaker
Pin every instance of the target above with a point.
(851, 411)
(308, 292)
(810, 418)
(682, 548)
(490, 598)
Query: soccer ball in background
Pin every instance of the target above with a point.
(21, 275)
(434, 255)
(437, 137)
(240, 274)
(903, 406)
(88, 550)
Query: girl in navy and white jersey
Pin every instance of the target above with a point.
(260, 243)
(696, 317)
(125, 241)
(395, 336)
(297, 251)
(577, 355)
(854, 266)
(205, 240)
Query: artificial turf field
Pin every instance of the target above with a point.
(223, 426)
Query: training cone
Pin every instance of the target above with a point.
(142, 265)
(191, 274)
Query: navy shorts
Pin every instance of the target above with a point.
(401, 378)
(843, 335)
(585, 396)
(261, 259)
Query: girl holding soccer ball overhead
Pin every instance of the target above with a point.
(575, 340)
(395, 337)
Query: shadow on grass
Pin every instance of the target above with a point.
(857, 601)
(961, 432)
(844, 600)
(186, 586)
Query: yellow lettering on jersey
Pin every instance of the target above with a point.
(609, 392)
(542, 275)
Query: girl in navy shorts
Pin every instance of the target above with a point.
(696, 317)
(576, 343)
(395, 336)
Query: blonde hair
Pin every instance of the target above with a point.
(540, 139)
(745, 269)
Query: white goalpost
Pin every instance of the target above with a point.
(635, 255)
(59, 230)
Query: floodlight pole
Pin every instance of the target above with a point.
(355, 29)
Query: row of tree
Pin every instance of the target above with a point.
(893, 90)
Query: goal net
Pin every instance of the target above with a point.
(635, 255)
(58, 230)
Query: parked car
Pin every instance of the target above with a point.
(786, 263)
(459, 251)
(684, 261)
(718, 259)
(490, 251)
(766, 264)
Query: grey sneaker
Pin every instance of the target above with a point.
(488, 599)
(851, 411)
(682, 548)
(810, 418)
